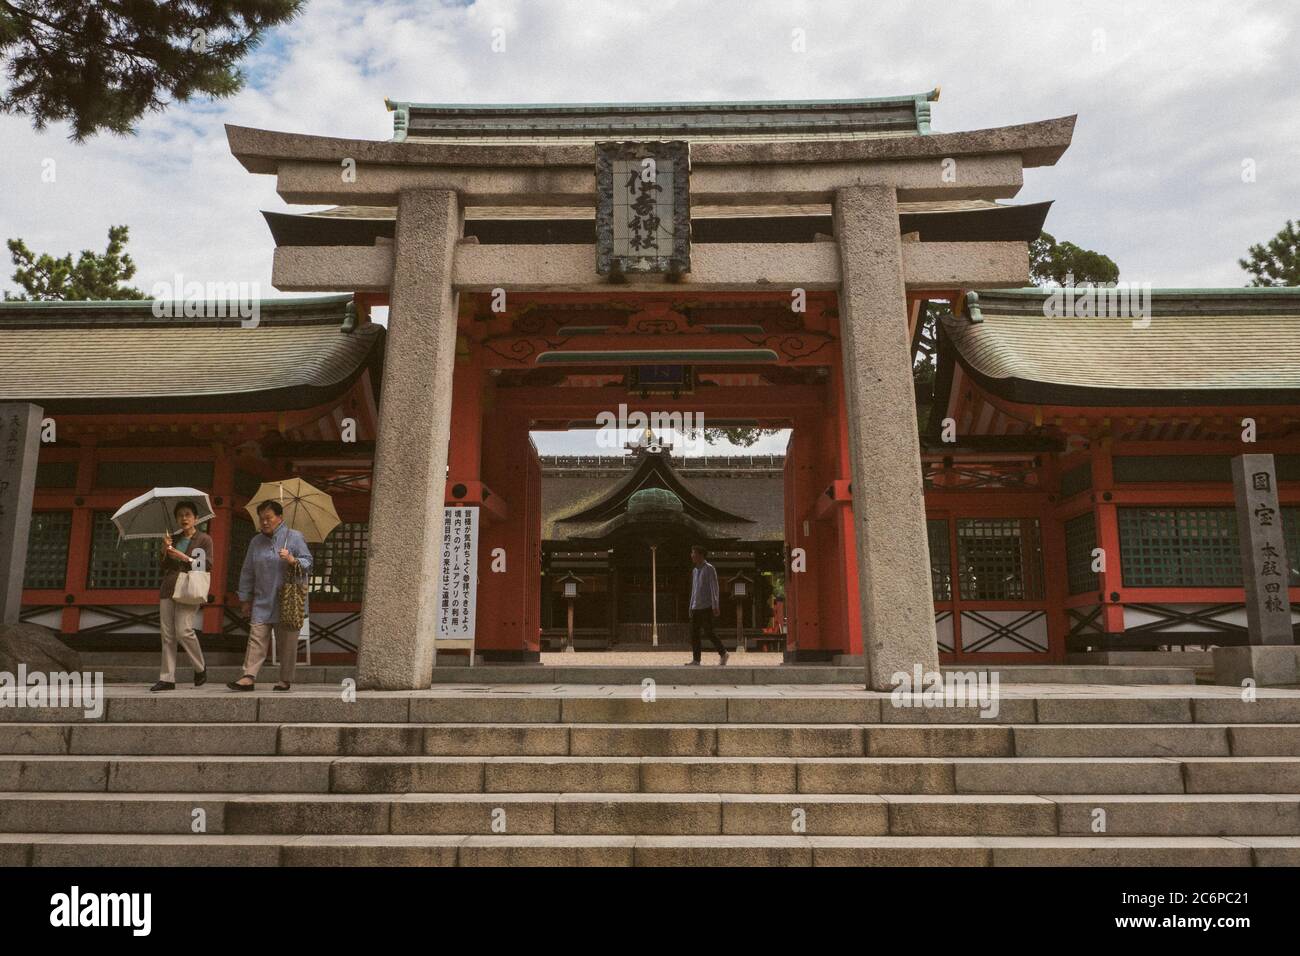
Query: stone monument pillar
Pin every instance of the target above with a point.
(1271, 657)
(888, 502)
(399, 612)
(20, 443)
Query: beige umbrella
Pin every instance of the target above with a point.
(306, 509)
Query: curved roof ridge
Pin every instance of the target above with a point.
(652, 465)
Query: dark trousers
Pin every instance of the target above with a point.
(702, 618)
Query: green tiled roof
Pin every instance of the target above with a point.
(800, 119)
(1199, 346)
(107, 356)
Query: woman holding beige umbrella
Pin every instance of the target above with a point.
(291, 514)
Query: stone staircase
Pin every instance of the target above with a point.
(702, 775)
(142, 668)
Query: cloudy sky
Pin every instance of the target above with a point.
(1174, 100)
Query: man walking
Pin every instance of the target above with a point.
(704, 604)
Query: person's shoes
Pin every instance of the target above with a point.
(279, 686)
(723, 661)
(163, 685)
(200, 678)
(692, 664)
(236, 685)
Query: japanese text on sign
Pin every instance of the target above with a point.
(458, 578)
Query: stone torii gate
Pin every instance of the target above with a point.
(870, 265)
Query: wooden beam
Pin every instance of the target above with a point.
(576, 403)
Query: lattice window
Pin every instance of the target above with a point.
(1076, 479)
(1291, 532)
(1192, 547)
(56, 474)
(1080, 540)
(1000, 559)
(153, 474)
(47, 550)
(1134, 468)
(940, 559)
(121, 564)
(1179, 547)
(338, 571)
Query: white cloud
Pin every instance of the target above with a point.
(1177, 95)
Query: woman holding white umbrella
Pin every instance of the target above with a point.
(176, 620)
(156, 514)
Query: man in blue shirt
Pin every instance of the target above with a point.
(704, 604)
(269, 555)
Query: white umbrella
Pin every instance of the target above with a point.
(151, 515)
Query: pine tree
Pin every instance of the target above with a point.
(93, 276)
(103, 65)
(1276, 263)
(1055, 262)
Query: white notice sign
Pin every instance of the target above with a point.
(458, 581)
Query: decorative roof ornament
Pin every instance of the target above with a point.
(401, 118)
(649, 500)
(923, 102)
(649, 443)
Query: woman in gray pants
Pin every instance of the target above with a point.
(176, 621)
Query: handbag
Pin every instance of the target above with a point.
(192, 587)
(291, 597)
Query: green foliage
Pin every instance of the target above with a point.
(1277, 262)
(1061, 263)
(103, 65)
(925, 365)
(742, 435)
(92, 276)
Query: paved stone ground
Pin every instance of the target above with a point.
(708, 658)
(470, 689)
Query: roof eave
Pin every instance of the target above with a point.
(1026, 391)
(1038, 144)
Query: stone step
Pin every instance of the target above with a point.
(44, 849)
(1160, 673)
(564, 774)
(1197, 660)
(739, 673)
(97, 660)
(657, 814)
(659, 740)
(146, 673)
(684, 705)
(143, 669)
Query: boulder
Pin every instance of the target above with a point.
(36, 646)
